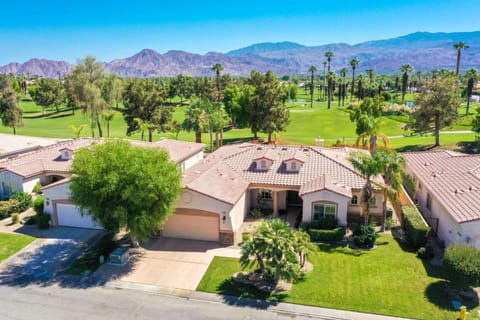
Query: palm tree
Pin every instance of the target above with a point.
(195, 119)
(459, 46)
(353, 63)
(108, 117)
(371, 130)
(330, 80)
(472, 77)
(77, 130)
(324, 79)
(142, 127)
(312, 70)
(329, 56)
(405, 69)
(368, 168)
(343, 73)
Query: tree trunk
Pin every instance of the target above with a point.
(221, 137)
(384, 211)
(14, 130)
(353, 84)
(373, 143)
(211, 140)
(468, 104)
(99, 125)
(108, 129)
(457, 70)
(150, 135)
(217, 140)
(73, 110)
(142, 135)
(437, 131)
(198, 136)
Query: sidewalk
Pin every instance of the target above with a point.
(280, 307)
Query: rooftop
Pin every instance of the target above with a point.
(451, 178)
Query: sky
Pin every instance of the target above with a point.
(69, 29)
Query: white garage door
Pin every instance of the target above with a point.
(69, 216)
(187, 226)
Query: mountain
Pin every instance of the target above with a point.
(423, 50)
(259, 48)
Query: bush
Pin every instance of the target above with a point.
(24, 200)
(365, 236)
(322, 235)
(414, 226)
(38, 204)
(388, 223)
(43, 220)
(425, 253)
(8, 207)
(325, 223)
(15, 218)
(37, 188)
(464, 261)
(30, 221)
(256, 213)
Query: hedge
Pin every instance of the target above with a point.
(414, 226)
(323, 235)
(8, 207)
(463, 260)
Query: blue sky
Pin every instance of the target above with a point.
(70, 29)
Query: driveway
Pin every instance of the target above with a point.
(176, 263)
(53, 251)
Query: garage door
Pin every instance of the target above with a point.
(69, 216)
(191, 226)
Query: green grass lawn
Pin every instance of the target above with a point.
(12, 243)
(306, 124)
(387, 280)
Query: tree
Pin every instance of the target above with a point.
(48, 93)
(312, 70)
(459, 46)
(324, 80)
(436, 106)
(112, 90)
(277, 250)
(218, 67)
(343, 74)
(367, 118)
(329, 56)
(195, 119)
(125, 187)
(472, 77)
(330, 80)
(77, 130)
(108, 117)
(368, 168)
(10, 113)
(405, 69)
(353, 63)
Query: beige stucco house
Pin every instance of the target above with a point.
(448, 193)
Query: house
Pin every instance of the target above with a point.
(50, 166)
(220, 190)
(448, 193)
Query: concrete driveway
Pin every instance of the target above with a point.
(176, 263)
(53, 251)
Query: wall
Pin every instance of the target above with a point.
(29, 184)
(471, 231)
(377, 210)
(11, 178)
(327, 196)
(190, 162)
(238, 213)
(58, 192)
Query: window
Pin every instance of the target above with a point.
(263, 164)
(293, 166)
(266, 194)
(373, 201)
(354, 200)
(429, 201)
(324, 209)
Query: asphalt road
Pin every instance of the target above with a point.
(39, 303)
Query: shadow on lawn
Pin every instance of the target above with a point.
(470, 147)
(442, 293)
(244, 295)
(415, 147)
(341, 248)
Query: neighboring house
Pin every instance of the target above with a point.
(51, 165)
(220, 190)
(448, 193)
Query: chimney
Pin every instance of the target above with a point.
(319, 142)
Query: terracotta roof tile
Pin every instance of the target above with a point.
(324, 182)
(451, 178)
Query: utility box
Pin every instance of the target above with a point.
(119, 256)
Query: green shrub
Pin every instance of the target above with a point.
(15, 218)
(464, 261)
(38, 204)
(425, 253)
(324, 235)
(256, 213)
(365, 236)
(37, 188)
(30, 221)
(43, 220)
(325, 223)
(414, 226)
(24, 200)
(8, 207)
(388, 223)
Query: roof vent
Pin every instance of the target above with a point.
(259, 148)
(284, 149)
(305, 150)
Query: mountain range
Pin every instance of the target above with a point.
(423, 50)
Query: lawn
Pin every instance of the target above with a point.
(12, 243)
(387, 280)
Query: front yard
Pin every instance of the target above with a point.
(386, 280)
(12, 243)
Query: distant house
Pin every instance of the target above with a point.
(221, 189)
(448, 193)
(50, 166)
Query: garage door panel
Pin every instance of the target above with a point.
(69, 215)
(190, 226)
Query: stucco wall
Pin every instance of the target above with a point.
(340, 200)
(190, 162)
(471, 233)
(58, 192)
(238, 213)
(377, 210)
(29, 184)
(14, 180)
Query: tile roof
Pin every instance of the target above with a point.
(451, 178)
(48, 160)
(235, 161)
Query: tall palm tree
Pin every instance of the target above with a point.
(312, 70)
(472, 77)
(195, 119)
(368, 168)
(459, 46)
(324, 79)
(330, 80)
(405, 69)
(353, 63)
(343, 73)
(218, 67)
(329, 56)
(108, 117)
(371, 130)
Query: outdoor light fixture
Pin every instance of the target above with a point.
(224, 217)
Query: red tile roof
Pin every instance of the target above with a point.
(451, 178)
(324, 182)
